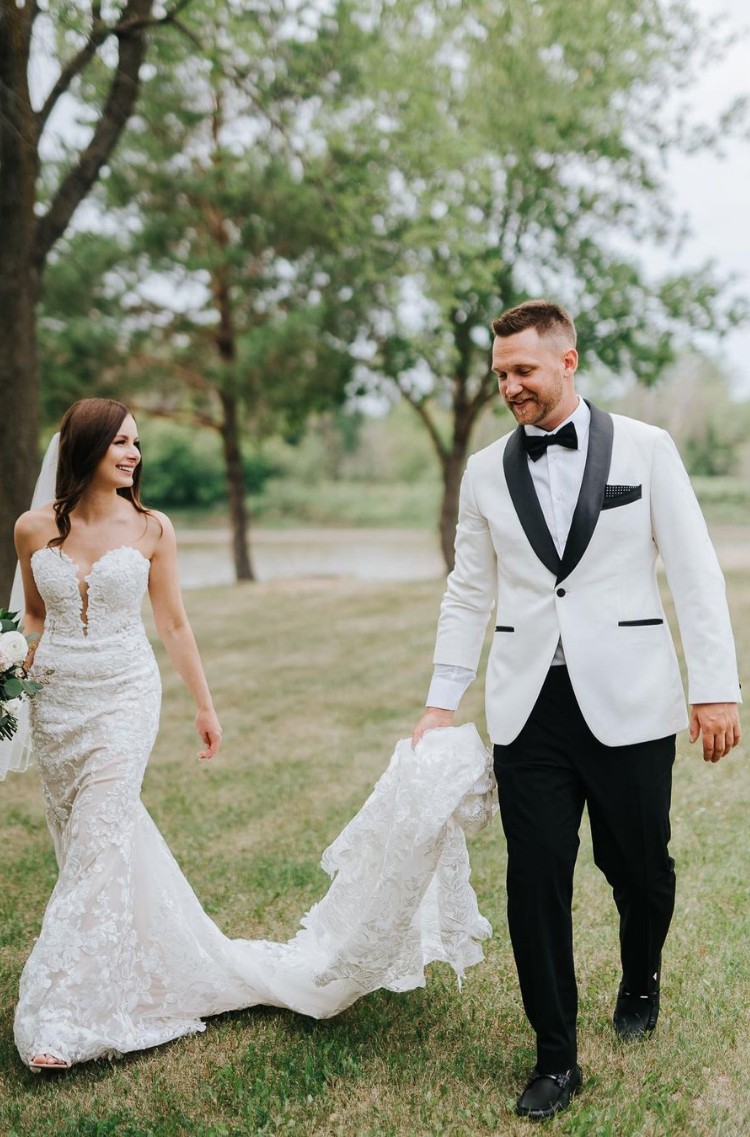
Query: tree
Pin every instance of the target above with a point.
(526, 145)
(386, 179)
(691, 400)
(105, 44)
(237, 310)
(79, 323)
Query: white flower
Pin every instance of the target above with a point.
(13, 645)
(13, 706)
(5, 661)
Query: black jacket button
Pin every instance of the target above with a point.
(561, 592)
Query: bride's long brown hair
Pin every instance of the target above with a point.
(87, 431)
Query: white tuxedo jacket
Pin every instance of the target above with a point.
(601, 597)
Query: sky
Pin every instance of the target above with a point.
(716, 194)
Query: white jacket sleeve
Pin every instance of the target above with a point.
(695, 580)
(471, 587)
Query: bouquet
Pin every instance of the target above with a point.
(15, 685)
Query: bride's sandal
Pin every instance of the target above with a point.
(47, 1060)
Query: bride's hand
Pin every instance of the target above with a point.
(209, 729)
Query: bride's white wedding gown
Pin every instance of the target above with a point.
(126, 957)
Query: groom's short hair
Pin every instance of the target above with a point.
(546, 317)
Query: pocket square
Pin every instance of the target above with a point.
(615, 495)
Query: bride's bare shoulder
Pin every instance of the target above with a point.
(36, 521)
(160, 533)
(159, 524)
(36, 527)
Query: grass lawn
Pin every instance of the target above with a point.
(315, 682)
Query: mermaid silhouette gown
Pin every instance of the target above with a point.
(126, 957)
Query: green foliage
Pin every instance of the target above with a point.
(14, 682)
(350, 446)
(234, 267)
(184, 468)
(692, 401)
(342, 198)
(80, 324)
(519, 151)
(731, 495)
(290, 502)
(8, 621)
(710, 453)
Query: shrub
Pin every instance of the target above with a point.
(185, 468)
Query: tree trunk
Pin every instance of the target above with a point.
(19, 285)
(227, 349)
(465, 410)
(19, 384)
(452, 471)
(26, 240)
(452, 463)
(238, 513)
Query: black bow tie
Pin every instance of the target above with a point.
(536, 444)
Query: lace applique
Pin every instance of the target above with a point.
(116, 584)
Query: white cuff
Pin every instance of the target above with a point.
(448, 686)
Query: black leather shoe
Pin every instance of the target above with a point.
(546, 1094)
(635, 1015)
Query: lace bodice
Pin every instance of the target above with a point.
(116, 585)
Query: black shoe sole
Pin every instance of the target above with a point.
(538, 1115)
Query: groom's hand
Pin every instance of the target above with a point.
(433, 719)
(719, 726)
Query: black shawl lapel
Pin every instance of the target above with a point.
(526, 503)
(591, 497)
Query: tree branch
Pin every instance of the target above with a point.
(485, 394)
(193, 379)
(188, 34)
(141, 23)
(98, 34)
(119, 106)
(421, 409)
(196, 418)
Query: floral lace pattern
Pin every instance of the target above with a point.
(126, 957)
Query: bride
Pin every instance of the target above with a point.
(126, 957)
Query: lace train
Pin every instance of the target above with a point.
(400, 898)
(126, 957)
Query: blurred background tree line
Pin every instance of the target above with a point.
(258, 222)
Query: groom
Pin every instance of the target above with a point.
(560, 525)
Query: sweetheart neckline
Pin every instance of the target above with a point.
(83, 595)
(98, 561)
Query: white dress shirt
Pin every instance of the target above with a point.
(557, 478)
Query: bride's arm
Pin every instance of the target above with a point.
(177, 635)
(31, 534)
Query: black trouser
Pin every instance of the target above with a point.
(544, 777)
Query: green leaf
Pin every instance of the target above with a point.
(13, 687)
